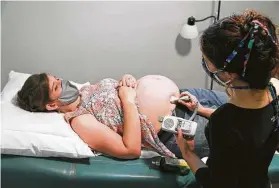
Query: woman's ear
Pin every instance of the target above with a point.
(52, 106)
(232, 76)
(228, 77)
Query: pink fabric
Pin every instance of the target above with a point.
(102, 101)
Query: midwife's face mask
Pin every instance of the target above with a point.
(214, 75)
(69, 93)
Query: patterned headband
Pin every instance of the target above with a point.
(252, 31)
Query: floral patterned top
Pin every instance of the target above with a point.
(102, 101)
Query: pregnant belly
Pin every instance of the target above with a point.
(154, 94)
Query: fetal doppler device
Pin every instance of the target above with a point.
(171, 123)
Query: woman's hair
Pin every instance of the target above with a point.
(222, 38)
(34, 94)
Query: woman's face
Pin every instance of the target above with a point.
(55, 90)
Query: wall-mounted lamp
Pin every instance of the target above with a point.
(190, 30)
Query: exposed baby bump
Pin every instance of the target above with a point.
(154, 93)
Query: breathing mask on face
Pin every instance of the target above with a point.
(69, 93)
(214, 75)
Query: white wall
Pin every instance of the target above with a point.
(88, 41)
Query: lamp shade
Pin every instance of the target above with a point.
(189, 30)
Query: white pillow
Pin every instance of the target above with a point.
(36, 134)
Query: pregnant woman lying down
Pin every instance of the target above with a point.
(113, 117)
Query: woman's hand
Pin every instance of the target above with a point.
(186, 148)
(184, 145)
(192, 103)
(127, 94)
(128, 80)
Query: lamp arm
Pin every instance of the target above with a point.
(201, 20)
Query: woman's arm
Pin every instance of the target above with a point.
(101, 138)
(206, 112)
(187, 153)
(223, 160)
(132, 129)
